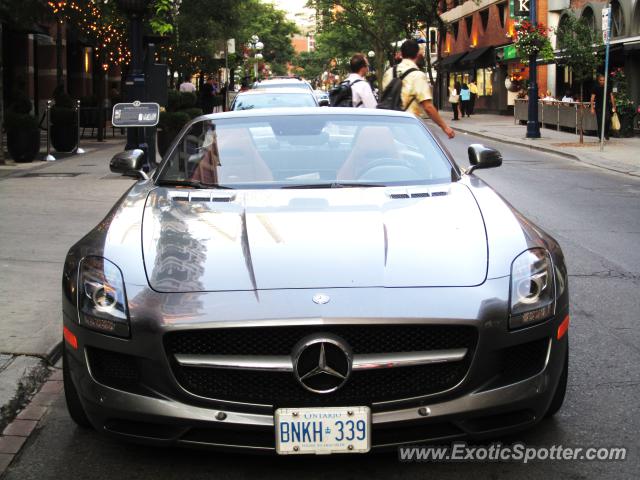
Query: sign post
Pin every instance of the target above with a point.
(606, 37)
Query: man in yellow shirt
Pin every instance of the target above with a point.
(416, 90)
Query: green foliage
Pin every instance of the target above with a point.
(173, 121)
(533, 40)
(193, 112)
(274, 30)
(576, 41)
(349, 26)
(187, 100)
(174, 101)
(162, 19)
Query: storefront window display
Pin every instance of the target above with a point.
(484, 81)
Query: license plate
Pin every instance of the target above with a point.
(323, 430)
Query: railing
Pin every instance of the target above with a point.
(558, 114)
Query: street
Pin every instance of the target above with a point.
(594, 216)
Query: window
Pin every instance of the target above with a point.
(589, 18)
(502, 9)
(455, 30)
(484, 82)
(617, 20)
(484, 18)
(469, 22)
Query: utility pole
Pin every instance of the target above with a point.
(533, 128)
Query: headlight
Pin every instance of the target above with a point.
(532, 297)
(102, 300)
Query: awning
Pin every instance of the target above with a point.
(479, 57)
(449, 63)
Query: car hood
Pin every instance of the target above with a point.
(219, 240)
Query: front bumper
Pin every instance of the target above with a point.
(475, 415)
(482, 405)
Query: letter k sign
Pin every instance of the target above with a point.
(524, 5)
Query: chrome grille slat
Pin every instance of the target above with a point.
(282, 363)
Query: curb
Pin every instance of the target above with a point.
(570, 156)
(15, 434)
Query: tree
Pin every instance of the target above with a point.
(420, 15)
(274, 30)
(579, 50)
(375, 21)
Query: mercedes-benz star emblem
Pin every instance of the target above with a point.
(321, 298)
(322, 363)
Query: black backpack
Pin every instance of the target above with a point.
(342, 96)
(391, 98)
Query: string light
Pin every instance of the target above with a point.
(91, 21)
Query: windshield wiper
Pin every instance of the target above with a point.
(190, 183)
(334, 185)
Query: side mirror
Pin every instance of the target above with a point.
(324, 102)
(483, 157)
(129, 162)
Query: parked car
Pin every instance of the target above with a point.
(322, 96)
(276, 98)
(283, 82)
(313, 281)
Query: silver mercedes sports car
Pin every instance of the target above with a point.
(313, 281)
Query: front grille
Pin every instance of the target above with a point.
(280, 389)
(281, 340)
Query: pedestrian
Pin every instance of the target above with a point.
(454, 99)
(597, 106)
(355, 91)
(473, 88)
(206, 96)
(416, 92)
(187, 86)
(465, 99)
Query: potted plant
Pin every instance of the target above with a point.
(23, 135)
(64, 123)
(180, 109)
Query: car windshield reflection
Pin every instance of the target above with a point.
(306, 151)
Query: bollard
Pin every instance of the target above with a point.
(49, 157)
(78, 149)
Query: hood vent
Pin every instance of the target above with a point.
(422, 193)
(202, 197)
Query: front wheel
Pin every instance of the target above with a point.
(76, 411)
(561, 389)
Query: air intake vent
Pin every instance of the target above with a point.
(423, 193)
(203, 197)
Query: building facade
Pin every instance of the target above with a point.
(478, 45)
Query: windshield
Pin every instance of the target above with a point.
(273, 100)
(310, 151)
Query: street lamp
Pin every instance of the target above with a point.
(256, 45)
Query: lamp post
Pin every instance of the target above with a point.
(256, 47)
(135, 81)
(533, 129)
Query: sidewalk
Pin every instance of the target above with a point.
(620, 154)
(45, 208)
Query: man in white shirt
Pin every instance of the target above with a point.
(187, 86)
(361, 94)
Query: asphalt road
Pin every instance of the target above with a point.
(595, 216)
